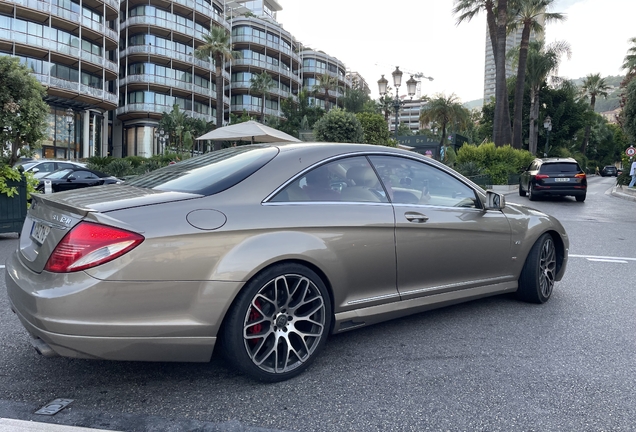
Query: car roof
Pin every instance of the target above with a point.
(558, 160)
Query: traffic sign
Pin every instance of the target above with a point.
(631, 151)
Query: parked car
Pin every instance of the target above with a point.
(553, 177)
(268, 249)
(610, 171)
(75, 178)
(43, 167)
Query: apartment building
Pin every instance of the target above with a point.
(119, 65)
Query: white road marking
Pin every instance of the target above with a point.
(594, 257)
(607, 260)
(1, 266)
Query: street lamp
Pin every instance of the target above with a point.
(411, 86)
(70, 115)
(547, 124)
(161, 138)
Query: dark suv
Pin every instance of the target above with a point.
(554, 177)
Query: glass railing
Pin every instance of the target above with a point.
(254, 108)
(113, 4)
(264, 65)
(176, 55)
(65, 14)
(160, 22)
(158, 109)
(264, 42)
(168, 82)
(246, 85)
(100, 28)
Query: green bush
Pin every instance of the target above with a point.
(374, 128)
(339, 126)
(497, 162)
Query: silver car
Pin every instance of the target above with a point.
(268, 249)
(43, 167)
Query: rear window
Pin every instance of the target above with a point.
(210, 173)
(560, 168)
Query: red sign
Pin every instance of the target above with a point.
(631, 151)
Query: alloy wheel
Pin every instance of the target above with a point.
(284, 323)
(547, 268)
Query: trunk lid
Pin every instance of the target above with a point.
(52, 216)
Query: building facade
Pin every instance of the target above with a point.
(119, 65)
(71, 46)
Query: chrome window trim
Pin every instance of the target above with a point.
(367, 154)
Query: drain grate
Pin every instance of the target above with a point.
(54, 407)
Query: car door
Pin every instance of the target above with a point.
(80, 179)
(445, 240)
(339, 208)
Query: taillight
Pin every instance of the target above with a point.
(580, 175)
(90, 244)
(541, 176)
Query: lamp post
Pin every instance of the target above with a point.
(547, 124)
(161, 138)
(70, 116)
(411, 86)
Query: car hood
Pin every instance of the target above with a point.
(110, 197)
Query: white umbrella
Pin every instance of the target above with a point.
(248, 131)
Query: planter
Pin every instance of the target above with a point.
(13, 210)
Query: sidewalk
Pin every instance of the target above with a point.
(624, 192)
(11, 425)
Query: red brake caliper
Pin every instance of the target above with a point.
(256, 328)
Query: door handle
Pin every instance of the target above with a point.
(415, 217)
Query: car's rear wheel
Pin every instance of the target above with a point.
(539, 272)
(521, 191)
(580, 198)
(278, 323)
(532, 195)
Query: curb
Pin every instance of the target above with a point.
(12, 425)
(624, 193)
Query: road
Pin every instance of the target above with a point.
(490, 365)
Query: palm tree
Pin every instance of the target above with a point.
(541, 62)
(529, 15)
(326, 84)
(593, 86)
(260, 84)
(497, 19)
(629, 62)
(218, 48)
(444, 111)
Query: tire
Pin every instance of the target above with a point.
(532, 195)
(521, 191)
(580, 198)
(539, 272)
(289, 306)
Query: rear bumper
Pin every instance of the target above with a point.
(83, 317)
(556, 191)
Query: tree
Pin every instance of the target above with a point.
(182, 129)
(497, 20)
(445, 111)
(326, 83)
(629, 111)
(339, 126)
(294, 113)
(528, 16)
(24, 113)
(374, 129)
(593, 86)
(260, 84)
(356, 100)
(629, 62)
(541, 62)
(218, 48)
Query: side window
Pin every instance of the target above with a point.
(82, 175)
(348, 180)
(409, 181)
(61, 165)
(46, 167)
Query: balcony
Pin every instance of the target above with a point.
(167, 82)
(164, 52)
(264, 65)
(255, 109)
(145, 108)
(161, 23)
(77, 88)
(100, 28)
(245, 85)
(99, 60)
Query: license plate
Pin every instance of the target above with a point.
(39, 232)
(562, 179)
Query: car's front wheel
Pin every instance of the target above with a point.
(278, 323)
(539, 271)
(580, 198)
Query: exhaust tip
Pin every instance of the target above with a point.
(43, 348)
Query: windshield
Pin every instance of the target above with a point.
(58, 174)
(27, 166)
(210, 173)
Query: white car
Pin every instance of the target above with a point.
(42, 167)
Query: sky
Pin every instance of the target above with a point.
(421, 36)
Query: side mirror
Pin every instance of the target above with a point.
(495, 201)
(35, 170)
(70, 178)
